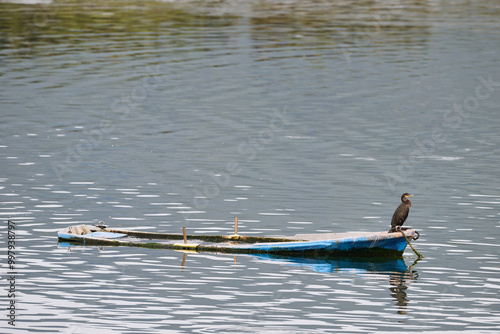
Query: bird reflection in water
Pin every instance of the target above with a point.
(399, 284)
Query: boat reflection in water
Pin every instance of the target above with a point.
(394, 268)
(399, 274)
(329, 264)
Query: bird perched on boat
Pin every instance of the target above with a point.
(401, 213)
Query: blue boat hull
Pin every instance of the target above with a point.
(393, 243)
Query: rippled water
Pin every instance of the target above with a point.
(295, 117)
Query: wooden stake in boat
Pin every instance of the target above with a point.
(235, 235)
(185, 245)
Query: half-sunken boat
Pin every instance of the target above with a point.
(342, 244)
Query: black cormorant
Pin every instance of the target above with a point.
(401, 213)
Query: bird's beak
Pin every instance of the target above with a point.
(410, 195)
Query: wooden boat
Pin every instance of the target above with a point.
(351, 243)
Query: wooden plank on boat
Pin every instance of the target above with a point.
(209, 238)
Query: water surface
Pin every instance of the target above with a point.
(295, 117)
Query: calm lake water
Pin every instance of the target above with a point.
(295, 117)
